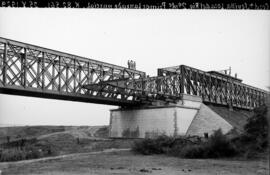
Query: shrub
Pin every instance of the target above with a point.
(158, 145)
(219, 146)
(146, 147)
(254, 139)
(216, 146)
(256, 129)
(29, 151)
(13, 154)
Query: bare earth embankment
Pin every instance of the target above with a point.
(126, 162)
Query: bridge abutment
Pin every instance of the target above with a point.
(188, 116)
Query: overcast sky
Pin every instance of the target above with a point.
(204, 39)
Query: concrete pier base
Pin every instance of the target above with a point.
(188, 117)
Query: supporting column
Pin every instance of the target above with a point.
(188, 117)
(154, 120)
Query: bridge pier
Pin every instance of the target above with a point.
(188, 116)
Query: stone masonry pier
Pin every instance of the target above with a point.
(188, 116)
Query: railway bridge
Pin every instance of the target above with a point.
(171, 102)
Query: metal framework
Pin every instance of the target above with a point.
(31, 70)
(35, 71)
(217, 88)
(171, 83)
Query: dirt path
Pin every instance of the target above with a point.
(125, 162)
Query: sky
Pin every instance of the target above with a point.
(204, 39)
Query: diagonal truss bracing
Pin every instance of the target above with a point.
(28, 69)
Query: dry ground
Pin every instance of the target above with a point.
(126, 162)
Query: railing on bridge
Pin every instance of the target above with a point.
(31, 70)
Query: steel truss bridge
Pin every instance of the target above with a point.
(30, 70)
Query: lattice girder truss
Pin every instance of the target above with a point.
(27, 67)
(186, 80)
(217, 89)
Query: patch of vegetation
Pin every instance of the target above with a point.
(28, 151)
(59, 143)
(252, 142)
(216, 146)
(158, 145)
(189, 147)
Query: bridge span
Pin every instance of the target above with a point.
(173, 102)
(30, 70)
